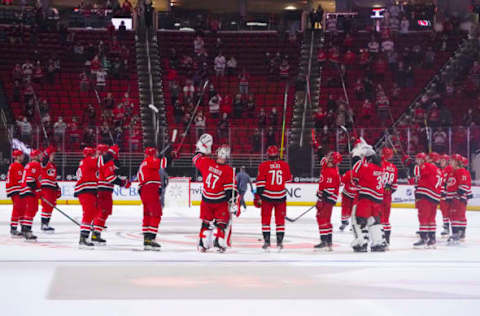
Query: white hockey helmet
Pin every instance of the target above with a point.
(223, 152)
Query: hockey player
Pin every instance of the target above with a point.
(349, 194)
(368, 174)
(218, 192)
(108, 166)
(444, 207)
(13, 186)
(30, 193)
(272, 176)
(459, 189)
(86, 191)
(390, 177)
(327, 195)
(427, 195)
(50, 188)
(149, 187)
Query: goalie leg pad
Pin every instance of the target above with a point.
(360, 230)
(376, 235)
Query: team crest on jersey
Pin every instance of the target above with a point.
(51, 172)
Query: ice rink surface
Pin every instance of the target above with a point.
(54, 277)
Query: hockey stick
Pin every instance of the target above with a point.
(429, 136)
(228, 232)
(59, 210)
(174, 137)
(299, 216)
(345, 130)
(187, 129)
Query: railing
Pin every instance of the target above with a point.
(307, 87)
(249, 145)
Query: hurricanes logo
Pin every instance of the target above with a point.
(51, 172)
(175, 191)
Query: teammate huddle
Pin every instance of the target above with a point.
(366, 196)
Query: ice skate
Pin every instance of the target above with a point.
(98, 240)
(266, 246)
(323, 246)
(280, 236)
(201, 247)
(420, 244)
(85, 244)
(453, 240)
(217, 245)
(432, 244)
(446, 230)
(359, 248)
(377, 248)
(47, 229)
(14, 233)
(29, 236)
(343, 226)
(151, 245)
(280, 247)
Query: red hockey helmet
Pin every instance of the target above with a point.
(272, 151)
(17, 153)
(35, 153)
(421, 155)
(88, 151)
(150, 151)
(456, 157)
(335, 157)
(464, 161)
(445, 157)
(102, 148)
(434, 156)
(387, 153)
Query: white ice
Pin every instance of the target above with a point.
(53, 277)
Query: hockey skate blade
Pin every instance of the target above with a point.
(48, 232)
(84, 247)
(99, 244)
(150, 248)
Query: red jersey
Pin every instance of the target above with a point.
(390, 177)
(106, 175)
(349, 187)
(218, 181)
(329, 184)
(149, 171)
(271, 180)
(369, 177)
(429, 182)
(445, 174)
(49, 175)
(464, 181)
(31, 178)
(14, 179)
(87, 176)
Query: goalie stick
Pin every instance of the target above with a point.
(299, 216)
(228, 231)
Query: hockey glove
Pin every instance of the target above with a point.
(125, 183)
(257, 201)
(204, 144)
(59, 192)
(234, 208)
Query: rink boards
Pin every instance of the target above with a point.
(299, 194)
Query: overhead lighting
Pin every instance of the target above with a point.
(290, 7)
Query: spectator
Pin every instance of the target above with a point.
(383, 108)
(404, 25)
(211, 91)
(51, 70)
(238, 106)
(27, 69)
(349, 58)
(188, 89)
(468, 118)
(243, 84)
(84, 82)
(445, 116)
(270, 138)
(198, 44)
(331, 103)
(251, 104)
(17, 91)
(90, 116)
(178, 111)
(44, 107)
(119, 115)
(359, 89)
(319, 118)
(214, 105)
(38, 73)
(231, 66)
(226, 105)
(262, 119)
(74, 132)
(25, 130)
(366, 112)
(284, 69)
(387, 45)
(200, 123)
(256, 141)
(222, 129)
(219, 65)
(439, 139)
(101, 79)
(429, 60)
(273, 117)
(17, 73)
(373, 46)
(59, 129)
